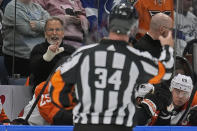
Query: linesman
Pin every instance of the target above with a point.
(105, 74)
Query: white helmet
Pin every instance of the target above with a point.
(182, 82)
(143, 89)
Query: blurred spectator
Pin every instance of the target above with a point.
(73, 15)
(186, 23)
(194, 6)
(30, 20)
(1, 38)
(1, 2)
(147, 8)
(4, 3)
(45, 56)
(160, 24)
(3, 71)
(97, 13)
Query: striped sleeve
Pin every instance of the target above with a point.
(62, 82)
(167, 59)
(157, 69)
(165, 66)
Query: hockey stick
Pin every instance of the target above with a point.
(38, 98)
(194, 59)
(44, 87)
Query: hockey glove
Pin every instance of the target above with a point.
(192, 116)
(159, 100)
(19, 121)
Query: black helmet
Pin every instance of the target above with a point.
(121, 18)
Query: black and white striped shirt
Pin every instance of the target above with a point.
(105, 75)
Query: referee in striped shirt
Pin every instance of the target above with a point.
(105, 74)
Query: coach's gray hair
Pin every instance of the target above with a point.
(51, 19)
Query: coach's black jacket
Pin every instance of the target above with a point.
(40, 69)
(146, 43)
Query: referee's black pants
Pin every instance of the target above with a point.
(100, 127)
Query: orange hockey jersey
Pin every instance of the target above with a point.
(147, 8)
(175, 118)
(46, 108)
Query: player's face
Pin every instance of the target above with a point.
(54, 32)
(179, 97)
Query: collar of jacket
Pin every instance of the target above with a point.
(109, 41)
(153, 42)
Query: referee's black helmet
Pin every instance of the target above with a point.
(121, 18)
